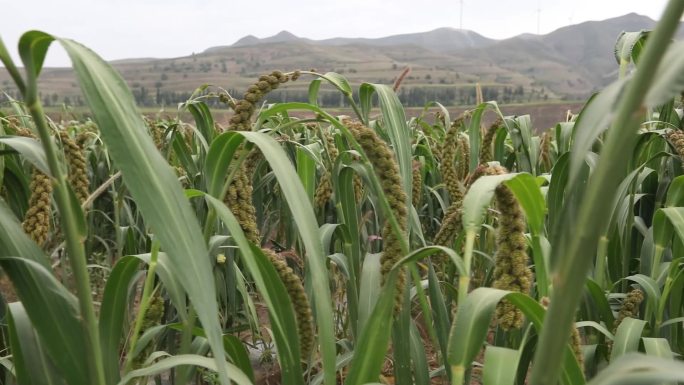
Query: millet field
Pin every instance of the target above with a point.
(297, 246)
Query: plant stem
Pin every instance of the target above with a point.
(74, 239)
(464, 281)
(575, 256)
(148, 288)
(458, 370)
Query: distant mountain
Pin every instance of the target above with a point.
(280, 37)
(572, 60)
(440, 39)
(446, 63)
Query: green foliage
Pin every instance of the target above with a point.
(600, 214)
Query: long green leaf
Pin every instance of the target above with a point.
(627, 337)
(153, 185)
(586, 214)
(500, 366)
(218, 158)
(639, 369)
(30, 149)
(32, 366)
(472, 322)
(112, 313)
(54, 314)
(165, 364)
(305, 219)
(399, 133)
(274, 293)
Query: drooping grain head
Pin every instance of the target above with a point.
(37, 218)
(153, 317)
(245, 108)
(239, 195)
(629, 307)
(36, 223)
(324, 191)
(239, 200)
(449, 170)
(417, 183)
(545, 151)
(676, 139)
(464, 161)
(300, 302)
(486, 148)
(511, 270)
(76, 164)
(386, 168)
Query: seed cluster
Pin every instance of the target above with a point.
(36, 222)
(450, 174)
(153, 317)
(486, 149)
(676, 138)
(300, 302)
(157, 134)
(417, 184)
(545, 150)
(325, 189)
(576, 344)
(244, 109)
(464, 163)
(629, 307)
(511, 271)
(37, 218)
(78, 171)
(239, 195)
(387, 170)
(239, 200)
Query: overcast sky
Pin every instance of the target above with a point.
(118, 29)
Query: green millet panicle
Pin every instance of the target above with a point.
(239, 195)
(545, 151)
(252, 161)
(358, 188)
(576, 343)
(153, 317)
(156, 133)
(629, 307)
(676, 138)
(386, 168)
(464, 163)
(452, 221)
(325, 189)
(486, 148)
(511, 271)
(417, 184)
(36, 222)
(245, 108)
(330, 146)
(451, 226)
(450, 174)
(37, 218)
(78, 171)
(239, 200)
(300, 302)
